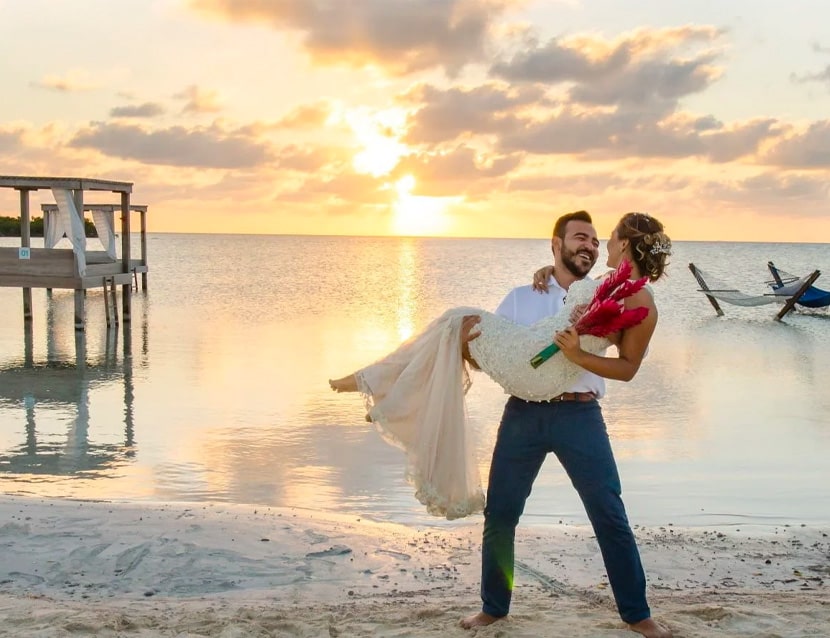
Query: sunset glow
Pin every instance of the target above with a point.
(377, 136)
(417, 215)
(257, 117)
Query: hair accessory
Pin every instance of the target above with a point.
(661, 247)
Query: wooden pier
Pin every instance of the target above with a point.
(50, 211)
(73, 268)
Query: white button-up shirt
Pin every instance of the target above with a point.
(525, 306)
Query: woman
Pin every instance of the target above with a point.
(640, 239)
(415, 395)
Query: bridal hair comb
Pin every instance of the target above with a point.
(661, 247)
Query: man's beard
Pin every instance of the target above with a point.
(576, 267)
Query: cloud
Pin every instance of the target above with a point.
(654, 81)
(600, 134)
(198, 100)
(401, 36)
(571, 131)
(596, 184)
(148, 109)
(822, 77)
(309, 159)
(176, 146)
(580, 183)
(774, 193)
(808, 149)
(642, 67)
(74, 81)
(346, 187)
(10, 140)
(306, 116)
(620, 98)
(455, 172)
(526, 120)
(738, 140)
(443, 115)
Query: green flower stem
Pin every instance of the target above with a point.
(544, 355)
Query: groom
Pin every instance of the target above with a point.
(571, 426)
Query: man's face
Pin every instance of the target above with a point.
(579, 250)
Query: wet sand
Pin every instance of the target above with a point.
(84, 568)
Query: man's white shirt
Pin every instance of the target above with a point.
(525, 306)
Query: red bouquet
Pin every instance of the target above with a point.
(605, 314)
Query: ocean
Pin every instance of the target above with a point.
(217, 391)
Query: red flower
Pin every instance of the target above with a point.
(606, 313)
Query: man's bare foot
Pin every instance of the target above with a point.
(344, 384)
(478, 620)
(650, 629)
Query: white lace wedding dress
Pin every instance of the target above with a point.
(415, 395)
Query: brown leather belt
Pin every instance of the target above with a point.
(575, 396)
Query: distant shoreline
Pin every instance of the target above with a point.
(10, 227)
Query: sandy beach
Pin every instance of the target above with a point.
(81, 568)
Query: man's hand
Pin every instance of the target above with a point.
(468, 333)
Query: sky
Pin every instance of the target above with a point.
(474, 118)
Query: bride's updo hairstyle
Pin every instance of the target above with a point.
(650, 246)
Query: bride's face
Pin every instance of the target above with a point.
(616, 249)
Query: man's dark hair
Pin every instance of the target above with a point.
(562, 222)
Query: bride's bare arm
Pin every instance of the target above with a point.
(541, 278)
(632, 345)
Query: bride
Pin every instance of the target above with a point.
(415, 395)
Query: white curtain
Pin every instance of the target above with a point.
(106, 233)
(53, 224)
(73, 221)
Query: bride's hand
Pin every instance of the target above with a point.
(541, 277)
(568, 342)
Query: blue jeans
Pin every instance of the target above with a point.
(575, 432)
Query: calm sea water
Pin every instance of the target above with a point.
(218, 392)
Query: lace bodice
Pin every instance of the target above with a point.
(504, 349)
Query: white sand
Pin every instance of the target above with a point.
(79, 568)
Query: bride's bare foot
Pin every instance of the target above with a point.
(344, 384)
(651, 629)
(478, 620)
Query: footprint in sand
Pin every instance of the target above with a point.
(314, 538)
(336, 550)
(129, 559)
(393, 554)
(29, 579)
(708, 613)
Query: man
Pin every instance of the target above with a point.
(572, 427)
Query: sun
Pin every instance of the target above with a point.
(379, 150)
(417, 215)
(377, 134)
